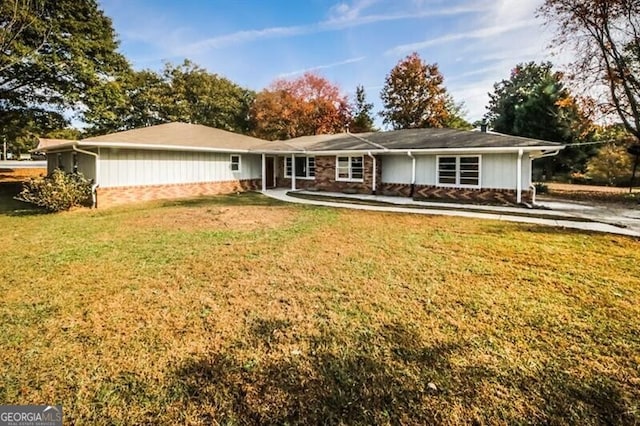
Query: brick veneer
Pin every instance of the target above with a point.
(108, 197)
(469, 195)
(325, 179)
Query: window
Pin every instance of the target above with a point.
(75, 162)
(60, 164)
(350, 168)
(305, 167)
(235, 163)
(459, 170)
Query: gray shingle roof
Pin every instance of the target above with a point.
(415, 139)
(194, 137)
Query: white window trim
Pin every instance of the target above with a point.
(458, 184)
(288, 176)
(239, 163)
(350, 179)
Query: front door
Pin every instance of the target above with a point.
(270, 172)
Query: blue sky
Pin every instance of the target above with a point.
(350, 42)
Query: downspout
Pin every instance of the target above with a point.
(413, 173)
(519, 178)
(375, 172)
(535, 157)
(95, 185)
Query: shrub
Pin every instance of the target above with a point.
(612, 166)
(56, 192)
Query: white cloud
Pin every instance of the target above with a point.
(322, 67)
(349, 19)
(481, 33)
(347, 12)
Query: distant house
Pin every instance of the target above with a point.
(182, 160)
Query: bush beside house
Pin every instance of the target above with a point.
(57, 192)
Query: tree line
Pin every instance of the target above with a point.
(59, 62)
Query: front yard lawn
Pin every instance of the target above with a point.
(242, 310)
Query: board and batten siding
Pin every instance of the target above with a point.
(132, 167)
(498, 171)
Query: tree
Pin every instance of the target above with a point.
(535, 103)
(54, 52)
(186, 93)
(414, 95)
(309, 105)
(611, 165)
(457, 112)
(362, 120)
(605, 36)
(197, 96)
(136, 99)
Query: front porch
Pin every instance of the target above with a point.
(327, 173)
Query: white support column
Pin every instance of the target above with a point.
(373, 185)
(264, 172)
(519, 178)
(293, 172)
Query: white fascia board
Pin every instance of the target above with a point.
(479, 150)
(435, 151)
(59, 148)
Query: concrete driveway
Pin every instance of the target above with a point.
(617, 215)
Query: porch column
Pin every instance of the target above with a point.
(293, 172)
(264, 172)
(519, 178)
(375, 172)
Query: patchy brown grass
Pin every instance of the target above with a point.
(325, 316)
(20, 175)
(245, 218)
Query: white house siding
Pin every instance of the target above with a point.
(498, 171)
(425, 169)
(396, 169)
(128, 167)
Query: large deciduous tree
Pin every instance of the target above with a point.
(309, 105)
(197, 96)
(186, 93)
(535, 103)
(53, 54)
(605, 37)
(362, 120)
(414, 95)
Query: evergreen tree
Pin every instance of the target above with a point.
(362, 120)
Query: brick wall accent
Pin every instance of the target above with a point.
(326, 176)
(465, 195)
(108, 197)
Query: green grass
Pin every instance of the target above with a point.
(244, 310)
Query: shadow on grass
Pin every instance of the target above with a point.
(240, 199)
(378, 377)
(358, 383)
(12, 207)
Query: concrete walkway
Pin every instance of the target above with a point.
(408, 205)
